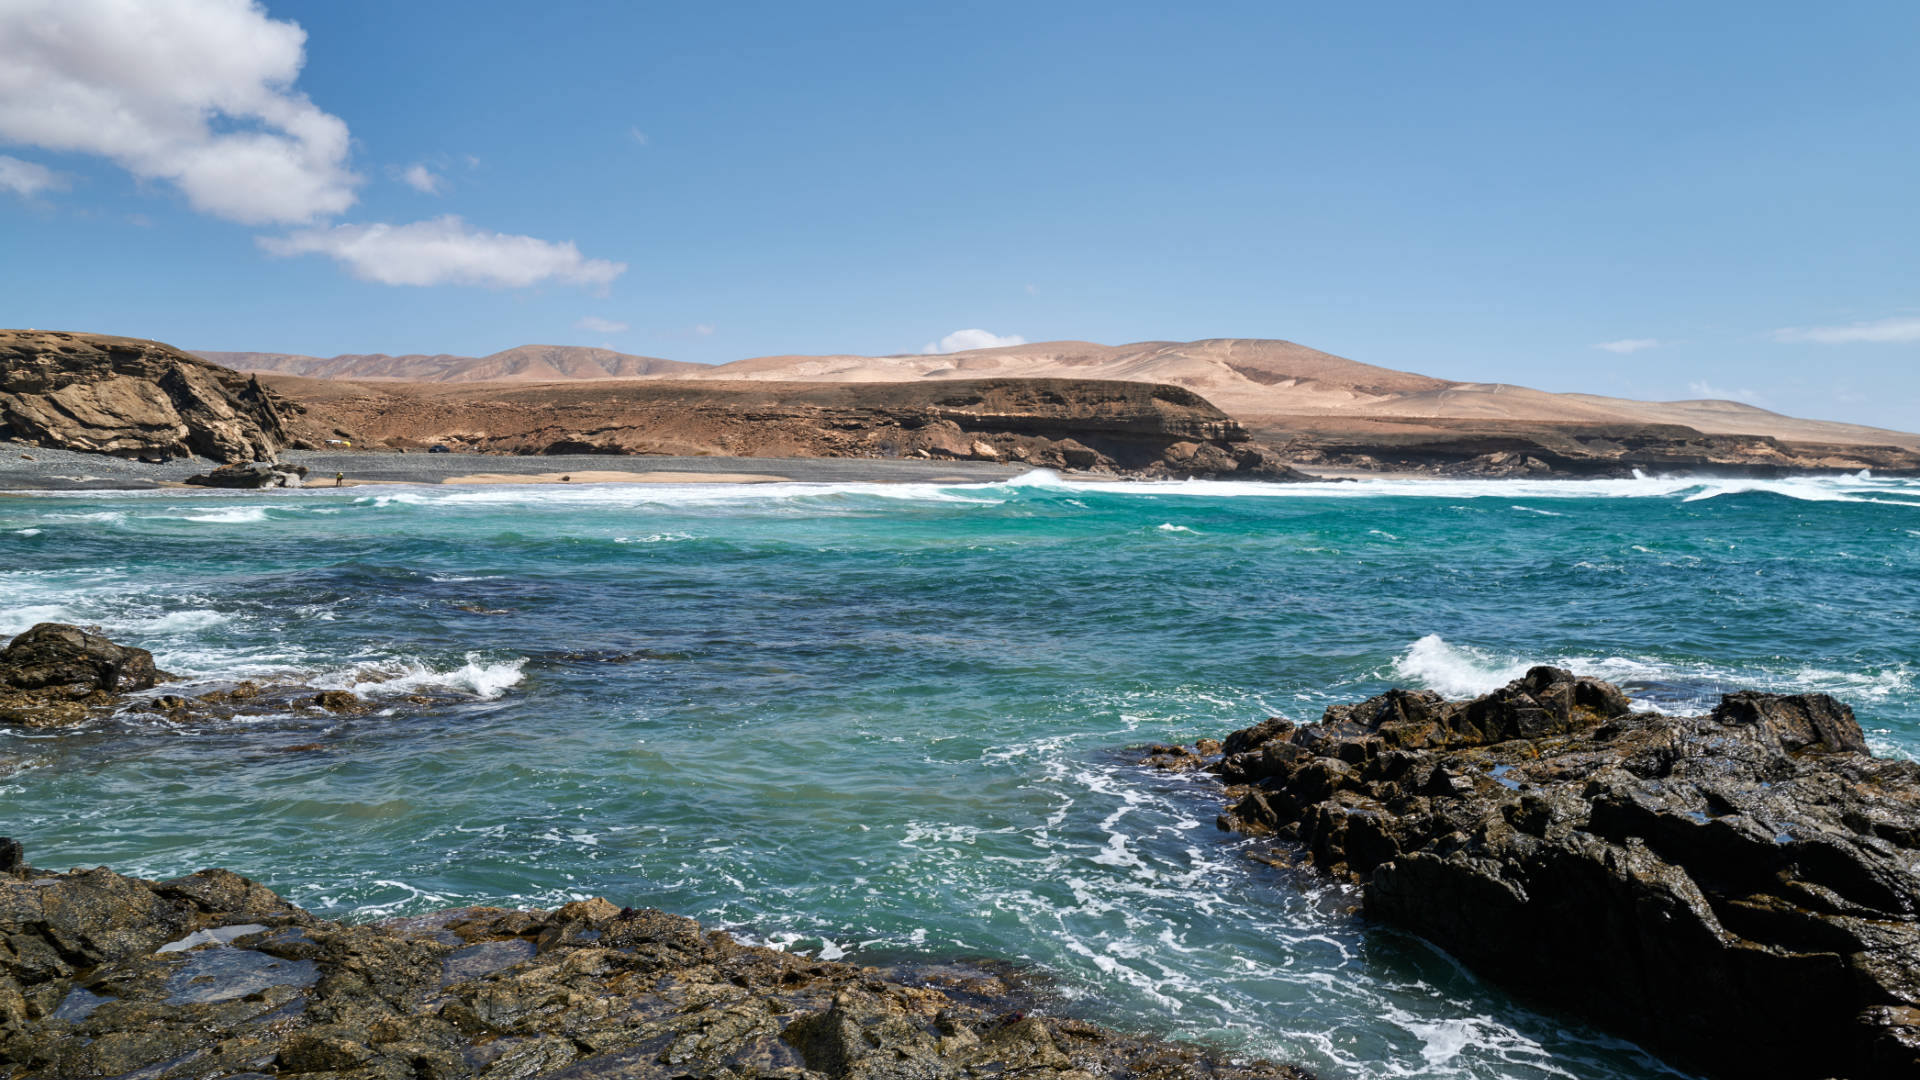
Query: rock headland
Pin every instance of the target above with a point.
(1739, 890)
(212, 975)
(131, 398)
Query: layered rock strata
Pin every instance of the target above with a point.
(131, 398)
(214, 976)
(1738, 890)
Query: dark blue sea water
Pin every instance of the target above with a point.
(891, 721)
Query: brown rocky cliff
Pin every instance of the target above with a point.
(1143, 429)
(130, 398)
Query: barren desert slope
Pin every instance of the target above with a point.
(1272, 386)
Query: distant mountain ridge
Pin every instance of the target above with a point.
(525, 363)
(1272, 386)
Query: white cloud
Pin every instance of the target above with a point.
(1897, 330)
(26, 179)
(422, 179)
(961, 340)
(1630, 345)
(638, 135)
(704, 329)
(196, 93)
(1703, 389)
(601, 326)
(446, 251)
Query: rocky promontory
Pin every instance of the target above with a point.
(212, 975)
(1739, 890)
(131, 398)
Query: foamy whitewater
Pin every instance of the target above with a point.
(883, 721)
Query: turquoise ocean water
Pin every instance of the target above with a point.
(891, 721)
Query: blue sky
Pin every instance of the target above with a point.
(1723, 193)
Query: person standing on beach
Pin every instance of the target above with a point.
(339, 479)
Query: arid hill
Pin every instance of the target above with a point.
(1278, 389)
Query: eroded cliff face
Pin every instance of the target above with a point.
(1141, 429)
(130, 398)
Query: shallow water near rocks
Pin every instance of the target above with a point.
(890, 721)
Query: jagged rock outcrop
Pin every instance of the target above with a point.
(1739, 890)
(131, 398)
(213, 976)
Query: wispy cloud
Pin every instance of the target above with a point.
(638, 135)
(195, 93)
(422, 179)
(601, 326)
(704, 329)
(1630, 345)
(961, 340)
(1897, 330)
(1701, 388)
(27, 179)
(446, 251)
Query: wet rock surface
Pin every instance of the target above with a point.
(56, 674)
(131, 398)
(214, 976)
(1737, 890)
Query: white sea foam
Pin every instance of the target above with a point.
(483, 679)
(26, 532)
(1454, 670)
(15, 620)
(1170, 527)
(238, 515)
(179, 622)
(1434, 663)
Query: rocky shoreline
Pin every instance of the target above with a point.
(1740, 890)
(212, 975)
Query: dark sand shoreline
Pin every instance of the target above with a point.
(26, 468)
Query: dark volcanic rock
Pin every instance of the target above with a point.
(131, 398)
(57, 674)
(214, 976)
(249, 475)
(59, 655)
(1739, 890)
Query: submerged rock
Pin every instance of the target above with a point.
(1740, 890)
(214, 976)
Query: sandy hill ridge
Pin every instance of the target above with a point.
(526, 363)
